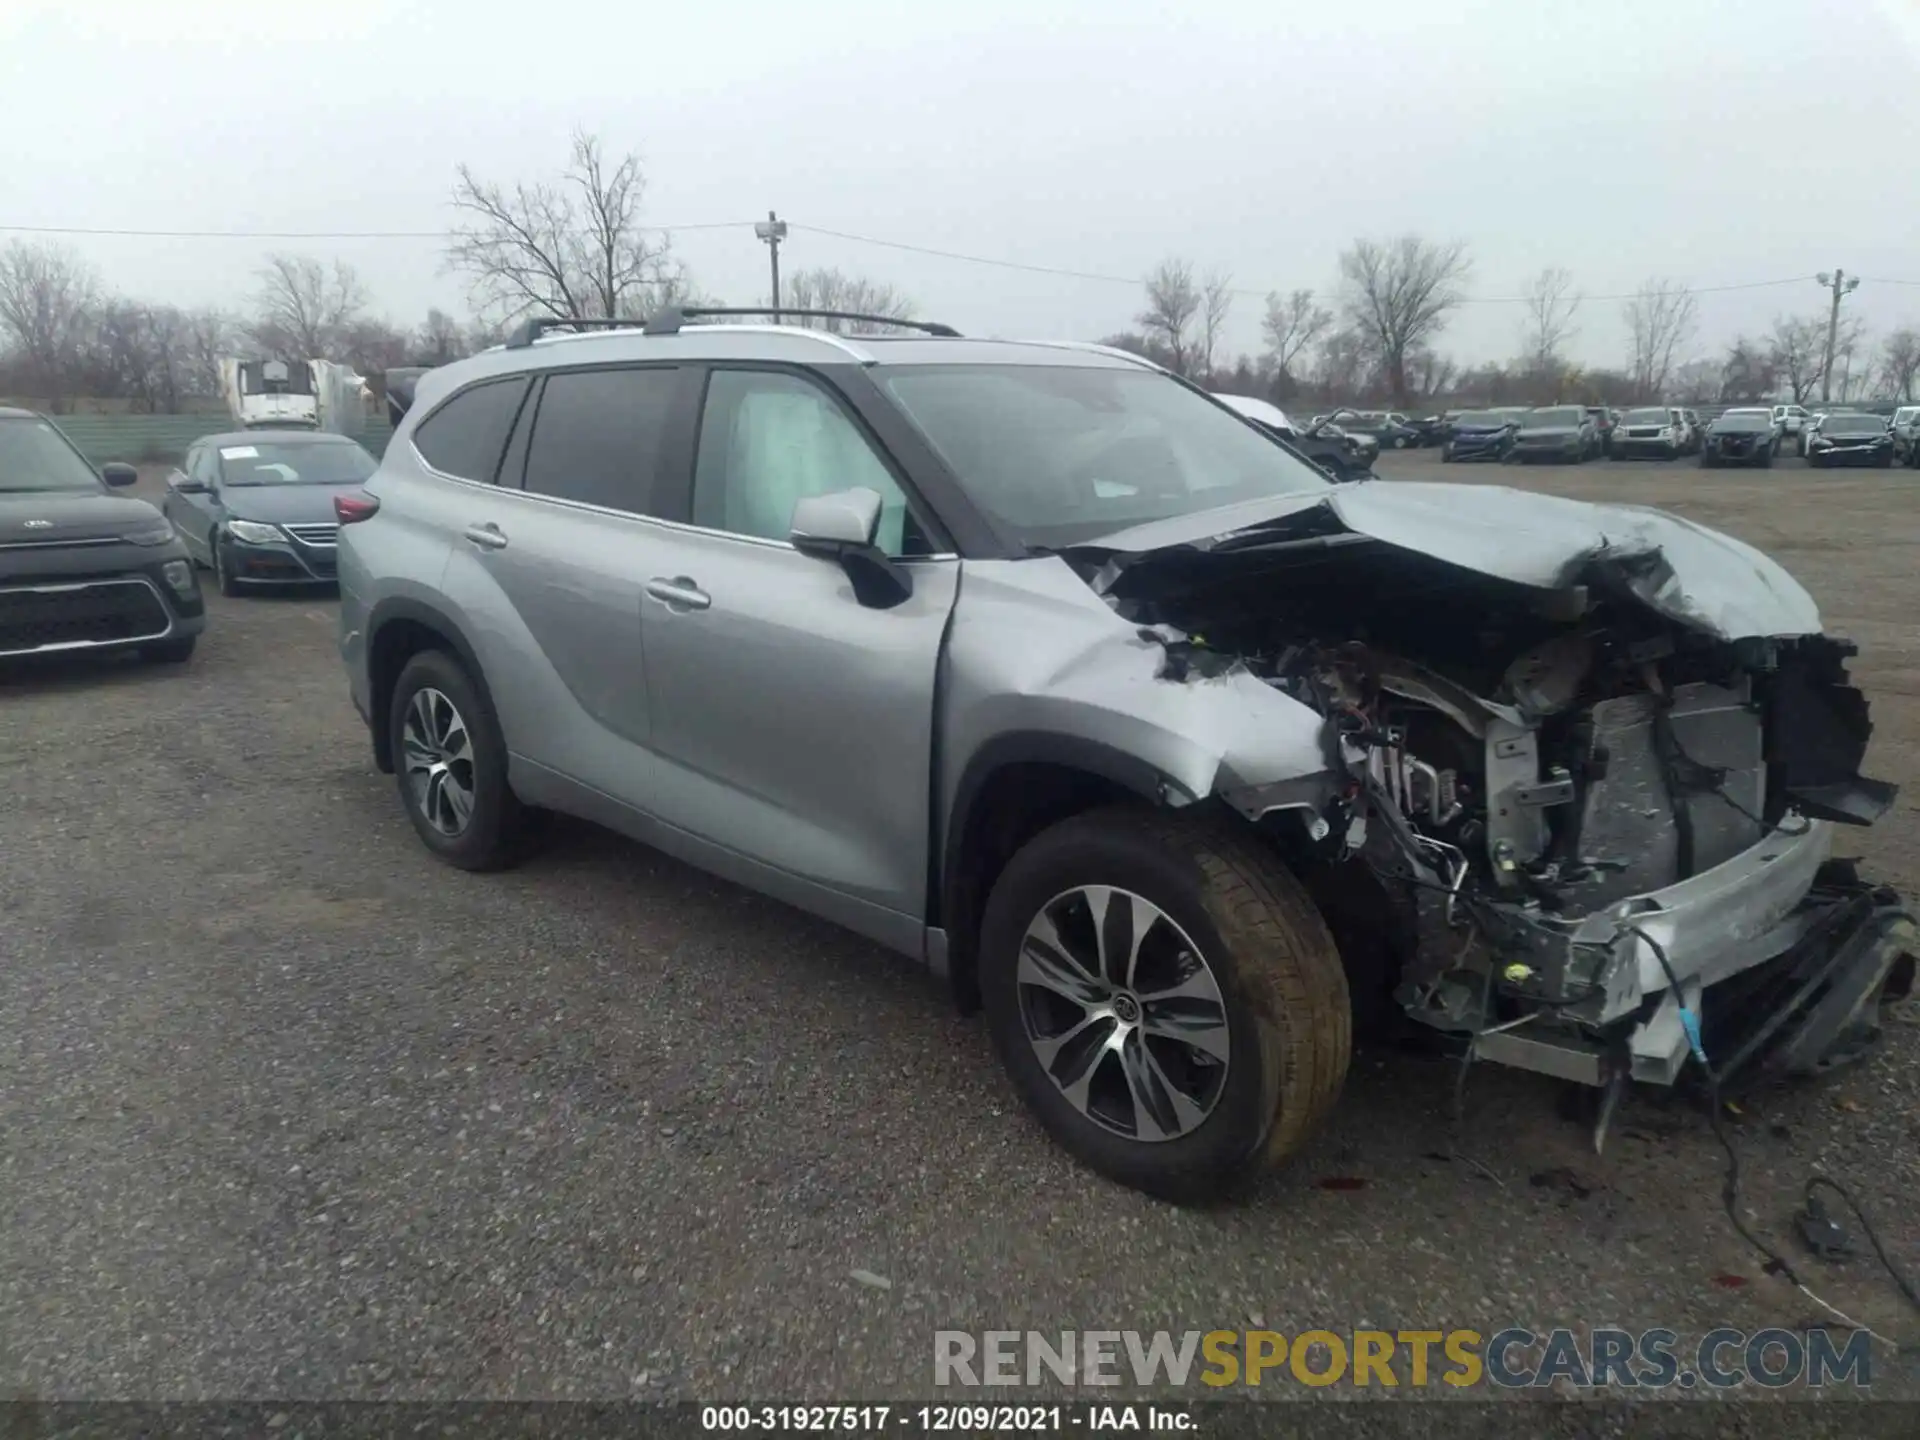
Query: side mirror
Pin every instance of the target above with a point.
(833, 524)
(843, 526)
(118, 473)
(185, 484)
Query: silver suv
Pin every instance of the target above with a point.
(1038, 665)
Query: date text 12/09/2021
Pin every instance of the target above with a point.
(949, 1419)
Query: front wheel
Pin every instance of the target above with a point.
(222, 566)
(1707, 462)
(1165, 997)
(450, 761)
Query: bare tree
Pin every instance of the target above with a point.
(1428, 373)
(1174, 302)
(47, 299)
(1697, 382)
(1343, 364)
(1398, 294)
(441, 339)
(1796, 348)
(1292, 324)
(1550, 305)
(1900, 363)
(1747, 375)
(571, 249)
(1216, 302)
(205, 337)
(372, 346)
(305, 308)
(1660, 317)
(826, 288)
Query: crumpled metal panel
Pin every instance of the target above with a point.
(1698, 577)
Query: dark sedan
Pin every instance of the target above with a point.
(1844, 439)
(1479, 435)
(82, 568)
(1555, 432)
(1741, 437)
(256, 506)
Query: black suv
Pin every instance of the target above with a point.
(82, 568)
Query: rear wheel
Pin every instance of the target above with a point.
(1165, 997)
(450, 761)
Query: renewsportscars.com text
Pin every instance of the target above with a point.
(1515, 1358)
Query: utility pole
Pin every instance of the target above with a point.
(773, 230)
(1840, 285)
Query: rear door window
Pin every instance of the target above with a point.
(598, 436)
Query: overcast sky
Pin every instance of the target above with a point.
(1716, 144)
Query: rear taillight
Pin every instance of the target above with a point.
(351, 509)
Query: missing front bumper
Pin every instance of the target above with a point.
(1799, 1000)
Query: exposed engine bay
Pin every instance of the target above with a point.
(1581, 811)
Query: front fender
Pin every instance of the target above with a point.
(1038, 667)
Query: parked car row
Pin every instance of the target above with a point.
(83, 568)
(1571, 434)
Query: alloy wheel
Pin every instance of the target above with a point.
(1123, 1012)
(437, 752)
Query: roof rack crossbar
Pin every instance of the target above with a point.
(669, 321)
(528, 331)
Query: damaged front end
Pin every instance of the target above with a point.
(1590, 758)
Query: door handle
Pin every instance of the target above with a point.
(487, 536)
(679, 593)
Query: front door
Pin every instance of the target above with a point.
(793, 725)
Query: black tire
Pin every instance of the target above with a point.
(222, 572)
(1446, 455)
(1288, 1013)
(1817, 462)
(1707, 462)
(1766, 458)
(493, 830)
(175, 651)
(1885, 462)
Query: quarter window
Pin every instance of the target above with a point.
(465, 436)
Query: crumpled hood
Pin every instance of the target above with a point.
(1695, 576)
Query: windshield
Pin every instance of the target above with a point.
(1061, 456)
(36, 457)
(1479, 417)
(1906, 414)
(1647, 417)
(1566, 419)
(1853, 425)
(339, 462)
(1745, 420)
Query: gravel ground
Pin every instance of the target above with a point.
(289, 1110)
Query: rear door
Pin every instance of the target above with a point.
(793, 723)
(552, 560)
